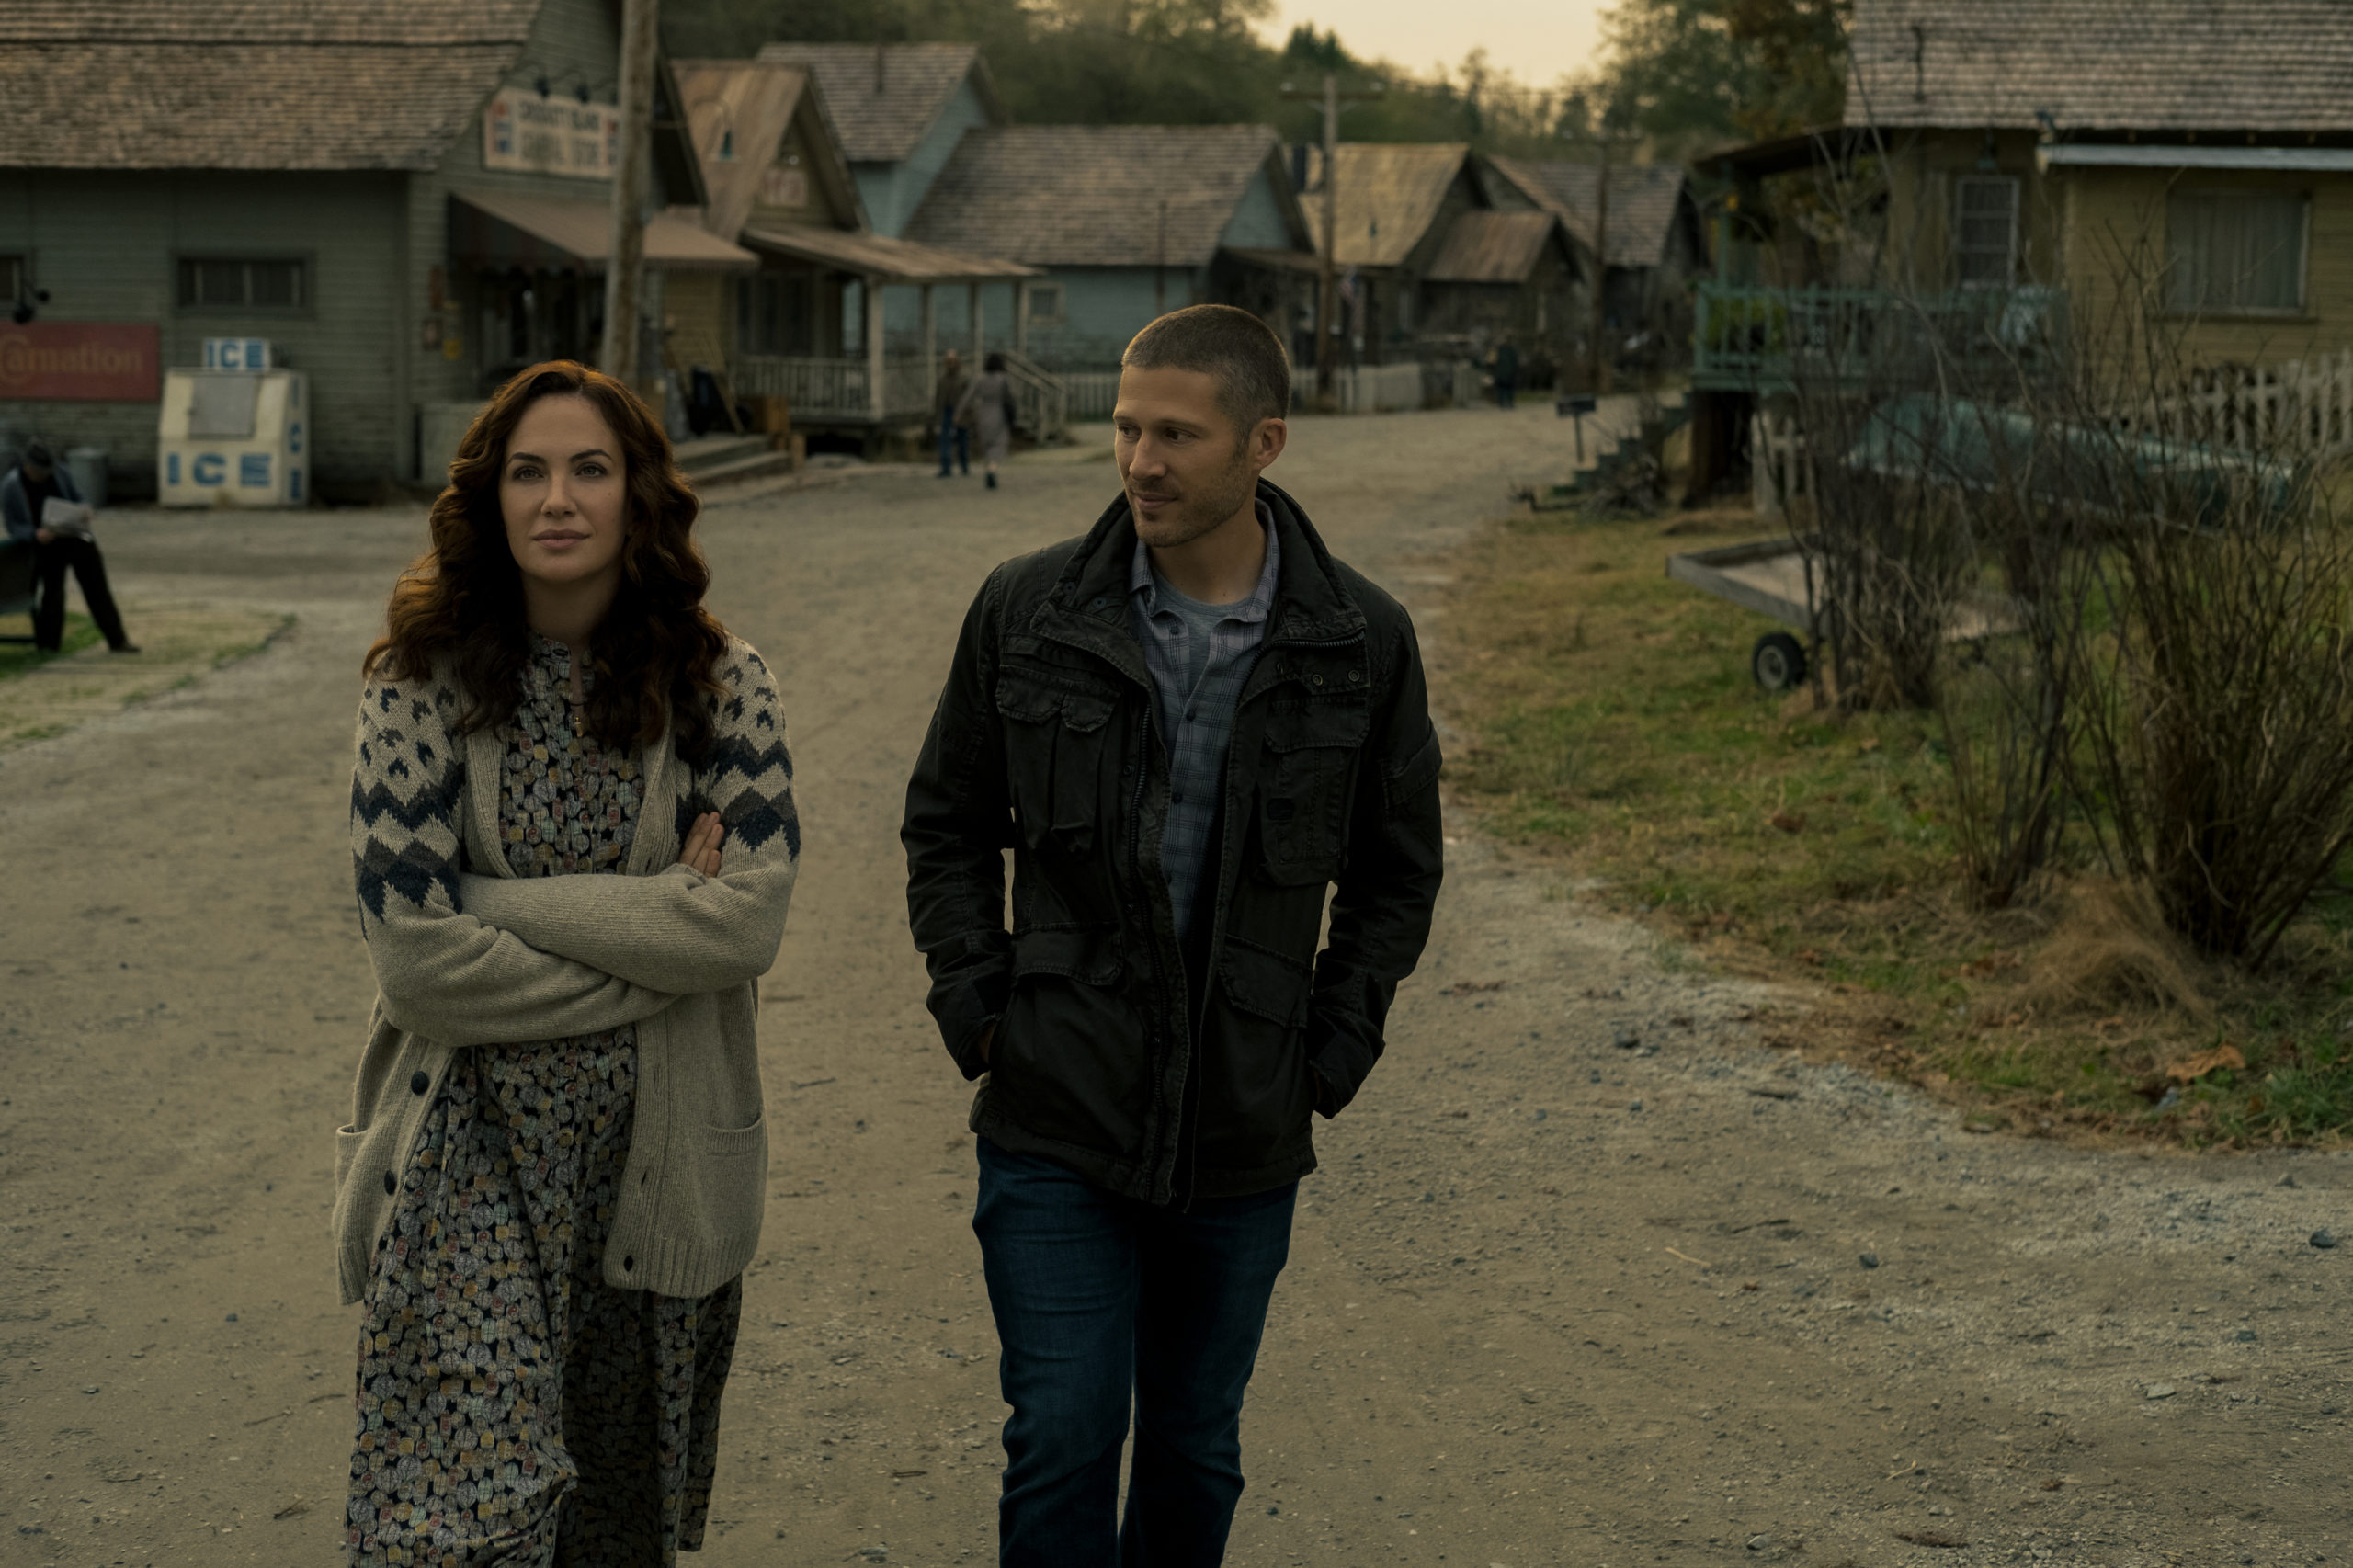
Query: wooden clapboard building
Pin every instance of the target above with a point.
(409, 203)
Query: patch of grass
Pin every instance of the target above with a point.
(1614, 720)
(16, 658)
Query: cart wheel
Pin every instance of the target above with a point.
(1778, 661)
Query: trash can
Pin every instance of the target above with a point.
(88, 466)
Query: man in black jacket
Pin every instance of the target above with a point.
(1189, 726)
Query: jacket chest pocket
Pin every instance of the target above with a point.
(1055, 746)
(1306, 778)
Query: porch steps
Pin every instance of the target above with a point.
(720, 459)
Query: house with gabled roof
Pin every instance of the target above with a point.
(1218, 221)
(407, 204)
(1657, 246)
(2042, 160)
(1500, 276)
(900, 109)
(809, 324)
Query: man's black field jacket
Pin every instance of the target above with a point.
(1045, 742)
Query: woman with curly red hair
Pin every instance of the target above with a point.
(574, 840)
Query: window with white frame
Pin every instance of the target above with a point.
(2235, 251)
(1985, 232)
(1046, 304)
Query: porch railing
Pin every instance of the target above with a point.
(837, 389)
(1748, 339)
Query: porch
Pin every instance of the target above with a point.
(1762, 340)
(874, 389)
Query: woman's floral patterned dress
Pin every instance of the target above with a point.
(515, 1409)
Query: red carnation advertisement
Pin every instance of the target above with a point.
(80, 362)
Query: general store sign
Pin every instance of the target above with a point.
(526, 133)
(78, 361)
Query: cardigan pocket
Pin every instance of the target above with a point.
(347, 1149)
(728, 1143)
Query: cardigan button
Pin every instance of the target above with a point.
(418, 1083)
(392, 1184)
(628, 1264)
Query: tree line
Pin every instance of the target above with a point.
(1684, 75)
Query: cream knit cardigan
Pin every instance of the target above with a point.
(464, 959)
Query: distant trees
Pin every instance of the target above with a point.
(1151, 62)
(1696, 74)
(1686, 74)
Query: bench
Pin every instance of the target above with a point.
(19, 589)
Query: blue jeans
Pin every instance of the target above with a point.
(953, 434)
(1102, 1302)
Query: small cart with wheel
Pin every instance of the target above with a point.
(1778, 579)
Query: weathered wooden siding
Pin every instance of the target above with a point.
(105, 246)
(571, 41)
(1257, 222)
(910, 179)
(2115, 233)
(1922, 169)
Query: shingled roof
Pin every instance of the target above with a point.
(2103, 65)
(1643, 202)
(1389, 194)
(1494, 247)
(1069, 195)
(248, 84)
(884, 97)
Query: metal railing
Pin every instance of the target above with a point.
(1749, 338)
(837, 388)
(1040, 400)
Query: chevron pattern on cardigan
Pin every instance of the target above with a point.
(405, 798)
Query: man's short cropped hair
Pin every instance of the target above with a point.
(1241, 352)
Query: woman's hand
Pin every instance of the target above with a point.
(703, 841)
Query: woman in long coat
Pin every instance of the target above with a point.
(573, 839)
(988, 407)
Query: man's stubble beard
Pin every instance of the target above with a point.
(1200, 512)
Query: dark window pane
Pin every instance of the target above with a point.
(2235, 250)
(277, 283)
(220, 283)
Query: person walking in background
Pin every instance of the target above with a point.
(945, 406)
(573, 842)
(26, 488)
(1189, 726)
(987, 407)
(1506, 374)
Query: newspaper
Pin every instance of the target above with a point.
(71, 519)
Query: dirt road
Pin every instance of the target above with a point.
(1553, 1298)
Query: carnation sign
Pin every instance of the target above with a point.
(78, 361)
(526, 133)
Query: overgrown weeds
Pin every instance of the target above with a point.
(1612, 720)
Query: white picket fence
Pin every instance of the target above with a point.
(1378, 389)
(2305, 409)
(1776, 461)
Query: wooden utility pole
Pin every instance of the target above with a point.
(632, 180)
(1327, 292)
(1601, 371)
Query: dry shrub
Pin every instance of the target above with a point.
(2109, 948)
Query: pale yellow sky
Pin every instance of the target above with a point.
(1538, 41)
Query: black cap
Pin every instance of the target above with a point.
(38, 455)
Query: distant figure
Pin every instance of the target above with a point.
(945, 403)
(987, 407)
(34, 479)
(1507, 373)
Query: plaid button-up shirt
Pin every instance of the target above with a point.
(1196, 714)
